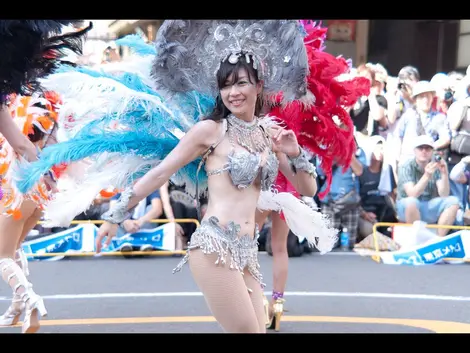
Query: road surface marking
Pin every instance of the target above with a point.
(287, 294)
(436, 326)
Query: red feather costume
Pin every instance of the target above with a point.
(321, 123)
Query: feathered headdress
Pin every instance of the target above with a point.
(33, 49)
(189, 53)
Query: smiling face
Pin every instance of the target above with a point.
(239, 88)
(239, 94)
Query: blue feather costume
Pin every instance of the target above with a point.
(121, 127)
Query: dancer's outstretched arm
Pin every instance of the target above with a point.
(20, 143)
(195, 143)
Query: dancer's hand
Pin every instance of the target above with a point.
(108, 231)
(285, 141)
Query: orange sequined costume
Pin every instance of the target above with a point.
(29, 112)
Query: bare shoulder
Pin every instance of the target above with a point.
(207, 132)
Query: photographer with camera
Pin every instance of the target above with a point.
(399, 100)
(400, 93)
(424, 189)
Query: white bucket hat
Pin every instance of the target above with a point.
(423, 87)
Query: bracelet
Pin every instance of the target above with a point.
(302, 162)
(119, 212)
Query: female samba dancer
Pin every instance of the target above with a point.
(129, 131)
(326, 95)
(31, 49)
(36, 117)
(242, 155)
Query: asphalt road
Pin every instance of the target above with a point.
(338, 292)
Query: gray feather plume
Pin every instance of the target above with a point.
(189, 53)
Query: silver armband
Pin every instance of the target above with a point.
(302, 163)
(119, 212)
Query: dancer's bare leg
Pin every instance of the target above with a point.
(21, 258)
(257, 299)
(279, 234)
(30, 223)
(260, 218)
(11, 231)
(226, 293)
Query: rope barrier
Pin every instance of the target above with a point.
(120, 253)
(432, 226)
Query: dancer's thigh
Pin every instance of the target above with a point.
(256, 297)
(279, 233)
(11, 229)
(260, 218)
(225, 292)
(29, 225)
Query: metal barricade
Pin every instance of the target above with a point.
(120, 253)
(432, 226)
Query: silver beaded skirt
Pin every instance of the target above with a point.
(212, 237)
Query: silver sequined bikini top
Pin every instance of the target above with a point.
(244, 167)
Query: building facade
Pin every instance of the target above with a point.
(430, 45)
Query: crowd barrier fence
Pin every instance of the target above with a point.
(121, 253)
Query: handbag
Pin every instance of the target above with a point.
(460, 143)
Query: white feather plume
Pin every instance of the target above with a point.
(139, 65)
(80, 185)
(302, 220)
(103, 96)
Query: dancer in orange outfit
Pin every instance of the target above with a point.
(36, 117)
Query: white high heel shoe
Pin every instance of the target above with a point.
(35, 309)
(13, 313)
(17, 306)
(34, 305)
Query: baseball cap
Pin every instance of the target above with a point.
(424, 140)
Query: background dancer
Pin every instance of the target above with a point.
(312, 120)
(31, 49)
(36, 117)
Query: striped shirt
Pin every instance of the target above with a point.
(410, 172)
